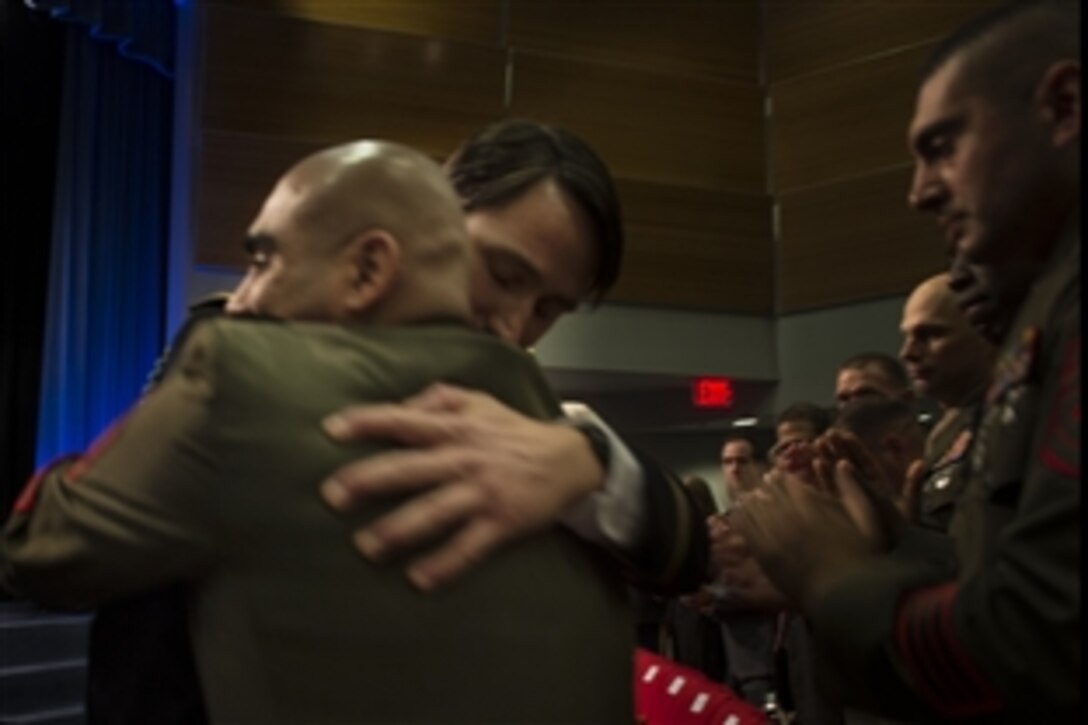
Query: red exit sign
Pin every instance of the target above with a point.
(712, 393)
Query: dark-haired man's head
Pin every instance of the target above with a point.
(544, 217)
(996, 142)
(368, 231)
(871, 375)
(799, 423)
(889, 430)
(740, 469)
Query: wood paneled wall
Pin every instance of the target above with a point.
(668, 92)
(841, 81)
(671, 93)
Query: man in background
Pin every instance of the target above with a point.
(983, 625)
(871, 375)
(951, 363)
(799, 423)
(740, 466)
(890, 432)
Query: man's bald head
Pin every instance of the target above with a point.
(364, 231)
(945, 357)
(342, 190)
(935, 297)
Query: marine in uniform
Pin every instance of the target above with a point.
(982, 625)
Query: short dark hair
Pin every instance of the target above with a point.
(1007, 48)
(871, 418)
(740, 439)
(888, 365)
(501, 162)
(804, 412)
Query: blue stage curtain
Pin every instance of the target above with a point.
(142, 29)
(107, 281)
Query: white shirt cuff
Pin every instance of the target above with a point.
(614, 515)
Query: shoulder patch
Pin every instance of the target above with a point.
(957, 449)
(1060, 450)
(1016, 365)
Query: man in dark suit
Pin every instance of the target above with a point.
(209, 481)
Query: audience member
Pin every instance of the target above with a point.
(799, 423)
(871, 374)
(740, 466)
(890, 431)
(689, 635)
(983, 625)
(950, 362)
(796, 666)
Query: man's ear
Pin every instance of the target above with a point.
(1058, 94)
(374, 262)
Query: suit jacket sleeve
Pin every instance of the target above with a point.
(672, 554)
(133, 512)
(644, 515)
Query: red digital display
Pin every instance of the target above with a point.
(712, 393)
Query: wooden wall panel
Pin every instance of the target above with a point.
(650, 126)
(236, 173)
(806, 36)
(669, 95)
(842, 123)
(281, 76)
(696, 248)
(718, 39)
(842, 79)
(854, 240)
(478, 21)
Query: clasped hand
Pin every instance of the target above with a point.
(826, 511)
(481, 470)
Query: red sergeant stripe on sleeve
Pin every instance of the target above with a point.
(101, 443)
(1060, 451)
(29, 495)
(941, 668)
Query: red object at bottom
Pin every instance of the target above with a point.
(667, 693)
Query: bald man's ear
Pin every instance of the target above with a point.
(1059, 96)
(373, 259)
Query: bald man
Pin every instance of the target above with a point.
(950, 362)
(209, 481)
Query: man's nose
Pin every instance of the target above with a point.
(239, 300)
(926, 192)
(908, 350)
(512, 322)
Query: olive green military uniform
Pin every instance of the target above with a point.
(212, 479)
(945, 461)
(985, 625)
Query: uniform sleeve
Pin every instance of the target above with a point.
(1004, 640)
(133, 512)
(1018, 621)
(854, 623)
